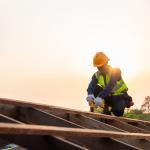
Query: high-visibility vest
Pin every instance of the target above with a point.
(118, 89)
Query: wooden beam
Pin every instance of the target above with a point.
(30, 142)
(140, 125)
(50, 107)
(96, 124)
(129, 120)
(10, 128)
(4, 118)
(35, 116)
(67, 110)
(125, 126)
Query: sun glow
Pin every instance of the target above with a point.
(47, 47)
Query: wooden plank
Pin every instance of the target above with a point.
(5, 119)
(96, 124)
(133, 120)
(125, 126)
(35, 116)
(40, 117)
(67, 110)
(140, 125)
(69, 145)
(9, 128)
(38, 142)
(30, 141)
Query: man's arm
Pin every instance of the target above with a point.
(92, 85)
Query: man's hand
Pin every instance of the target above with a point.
(99, 101)
(90, 98)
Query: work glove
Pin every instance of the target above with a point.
(99, 102)
(90, 98)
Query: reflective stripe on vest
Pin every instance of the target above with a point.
(100, 78)
(118, 89)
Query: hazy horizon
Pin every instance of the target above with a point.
(47, 47)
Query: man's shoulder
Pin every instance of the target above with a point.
(116, 70)
(116, 73)
(96, 74)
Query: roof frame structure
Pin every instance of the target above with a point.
(75, 129)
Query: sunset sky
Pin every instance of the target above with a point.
(47, 47)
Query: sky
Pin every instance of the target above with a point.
(47, 48)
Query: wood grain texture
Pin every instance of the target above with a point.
(11, 128)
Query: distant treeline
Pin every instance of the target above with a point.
(137, 114)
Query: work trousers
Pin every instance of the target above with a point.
(118, 102)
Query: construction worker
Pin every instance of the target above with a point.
(107, 87)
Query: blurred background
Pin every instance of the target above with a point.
(47, 47)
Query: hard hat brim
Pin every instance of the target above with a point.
(100, 65)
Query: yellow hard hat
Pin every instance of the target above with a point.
(100, 59)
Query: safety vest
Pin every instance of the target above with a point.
(118, 89)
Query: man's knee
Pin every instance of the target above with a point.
(118, 112)
(118, 107)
